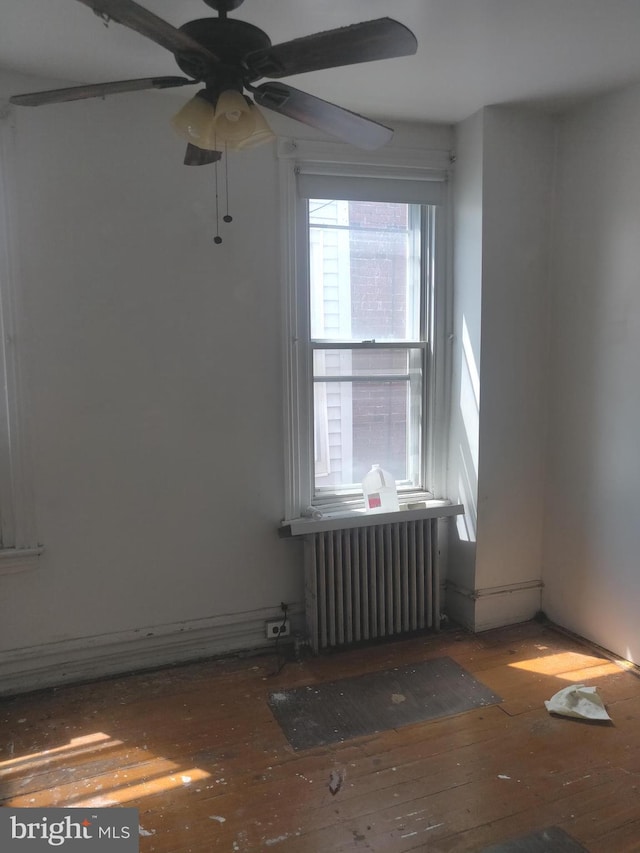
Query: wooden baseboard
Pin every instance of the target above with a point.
(495, 607)
(88, 658)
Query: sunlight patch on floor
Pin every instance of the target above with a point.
(139, 773)
(571, 666)
(77, 746)
(129, 793)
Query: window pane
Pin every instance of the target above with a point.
(366, 362)
(364, 273)
(361, 423)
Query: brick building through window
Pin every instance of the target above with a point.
(365, 280)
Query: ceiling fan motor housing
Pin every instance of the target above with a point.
(227, 38)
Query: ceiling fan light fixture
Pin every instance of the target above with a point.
(261, 133)
(234, 118)
(196, 122)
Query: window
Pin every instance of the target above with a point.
(366, 307)
(365, 279)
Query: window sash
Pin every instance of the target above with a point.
(414, 375)
(417, 252)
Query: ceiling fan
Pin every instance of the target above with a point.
(229, 56)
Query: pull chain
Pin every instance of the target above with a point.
(227, 217)
(217, 239)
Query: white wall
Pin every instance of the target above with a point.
(503, 184)
(153, 359)
(154, 383)
(519, 147)
(153, 364)
(465, 386)
(592, 542)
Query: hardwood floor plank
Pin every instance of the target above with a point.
(197, 750)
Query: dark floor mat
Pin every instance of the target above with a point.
(552, 840)
(339, 710)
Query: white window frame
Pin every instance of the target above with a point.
(19, 548)
(344, 162)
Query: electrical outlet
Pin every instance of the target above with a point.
(278, 628)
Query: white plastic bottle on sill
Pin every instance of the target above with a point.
(379, 490)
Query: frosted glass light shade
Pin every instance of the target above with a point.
(234, 118)
(261, 133)
(196, 122)
(234, 122)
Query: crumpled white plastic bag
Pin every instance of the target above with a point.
(577, 701)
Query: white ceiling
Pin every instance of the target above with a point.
(471, 52)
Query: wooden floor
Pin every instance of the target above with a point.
(198, 752)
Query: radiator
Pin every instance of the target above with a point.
(369, 582)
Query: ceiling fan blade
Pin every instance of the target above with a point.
(346, 125)
(136, 17)
(195, 156)
(97, 90)
(382, 38)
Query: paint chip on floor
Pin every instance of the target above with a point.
(336, 778)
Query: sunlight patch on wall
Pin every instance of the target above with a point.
(468, 438)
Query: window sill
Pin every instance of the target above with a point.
(360, 518)
(18, 559)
